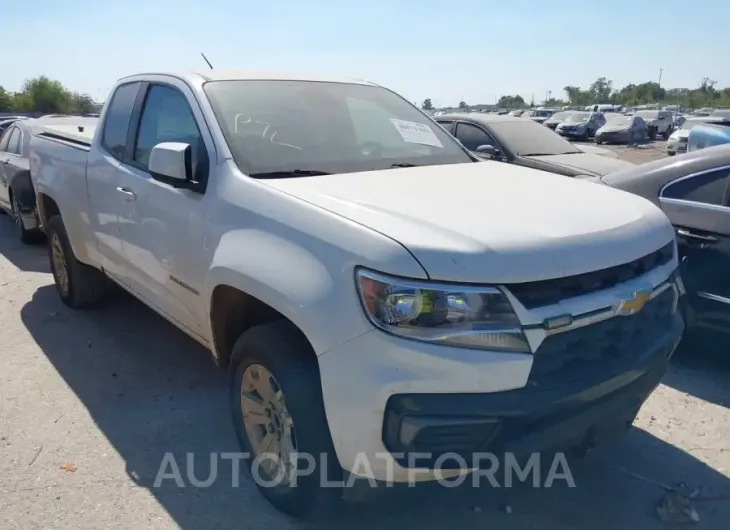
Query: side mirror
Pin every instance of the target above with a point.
(171, 163)
(488, 150)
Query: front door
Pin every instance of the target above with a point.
(699, 208)
(165, 227)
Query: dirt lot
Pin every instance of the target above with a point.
(91, 401)
(641, 154)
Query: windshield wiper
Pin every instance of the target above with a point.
(404, 164)
(290, 173)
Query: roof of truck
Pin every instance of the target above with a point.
(254, 75)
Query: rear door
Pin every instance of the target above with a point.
(107, 196)
(699, 207)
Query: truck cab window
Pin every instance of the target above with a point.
(116, 119)
(167, 117)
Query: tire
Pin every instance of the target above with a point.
(599, 141)
(84, 286)
(671, 153)
(652, 133)
(282, 351)
(25, 236)
(666, 134)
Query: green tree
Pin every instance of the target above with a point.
(43, 95)
(82, 104)
(511, 102)
(6, 100)
(463, 105)
(554, 103)
(576, 96)
(600, 90)
(427, 105)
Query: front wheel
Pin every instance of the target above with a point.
(79, 285)
(279, 418)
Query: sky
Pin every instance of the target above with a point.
(467, 50)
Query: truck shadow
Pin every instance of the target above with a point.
(29, 258)
(151, 391)
(703, 372)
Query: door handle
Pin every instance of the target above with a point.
(128, 195)
(699, 237)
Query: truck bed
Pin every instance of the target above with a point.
(75, 130)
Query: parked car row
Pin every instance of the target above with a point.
(295, 227)
(526, 143)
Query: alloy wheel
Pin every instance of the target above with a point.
(269, 426)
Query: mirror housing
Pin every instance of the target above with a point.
(488, 150)
(171, 163)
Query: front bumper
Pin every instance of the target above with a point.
(617, 137)
(572, 133)
(388, 400)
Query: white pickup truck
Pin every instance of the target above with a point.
(375, 291)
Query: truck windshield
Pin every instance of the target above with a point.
(304, 128)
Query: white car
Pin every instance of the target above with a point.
(677, 141)
(378, 294)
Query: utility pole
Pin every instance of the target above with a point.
(661, 70)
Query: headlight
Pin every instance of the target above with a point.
(453, 315)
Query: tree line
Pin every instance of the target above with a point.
(602, 91)
(41, 95)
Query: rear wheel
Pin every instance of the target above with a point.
(24, 235)
(666, 134)
(79, 285)
(278, 413)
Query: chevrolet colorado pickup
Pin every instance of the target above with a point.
(375, 291)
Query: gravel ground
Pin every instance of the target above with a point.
(640, 154)
(91, 401)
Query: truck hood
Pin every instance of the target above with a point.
(491, 222)
(584, 163)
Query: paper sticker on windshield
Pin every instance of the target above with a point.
(416, 133)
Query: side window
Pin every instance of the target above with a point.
(116, 119)
(472, 136)
(448, 125)
(4, 140)
(707, 188)
(167, 117)
(14, 141)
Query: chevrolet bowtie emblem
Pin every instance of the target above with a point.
(633, 305)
